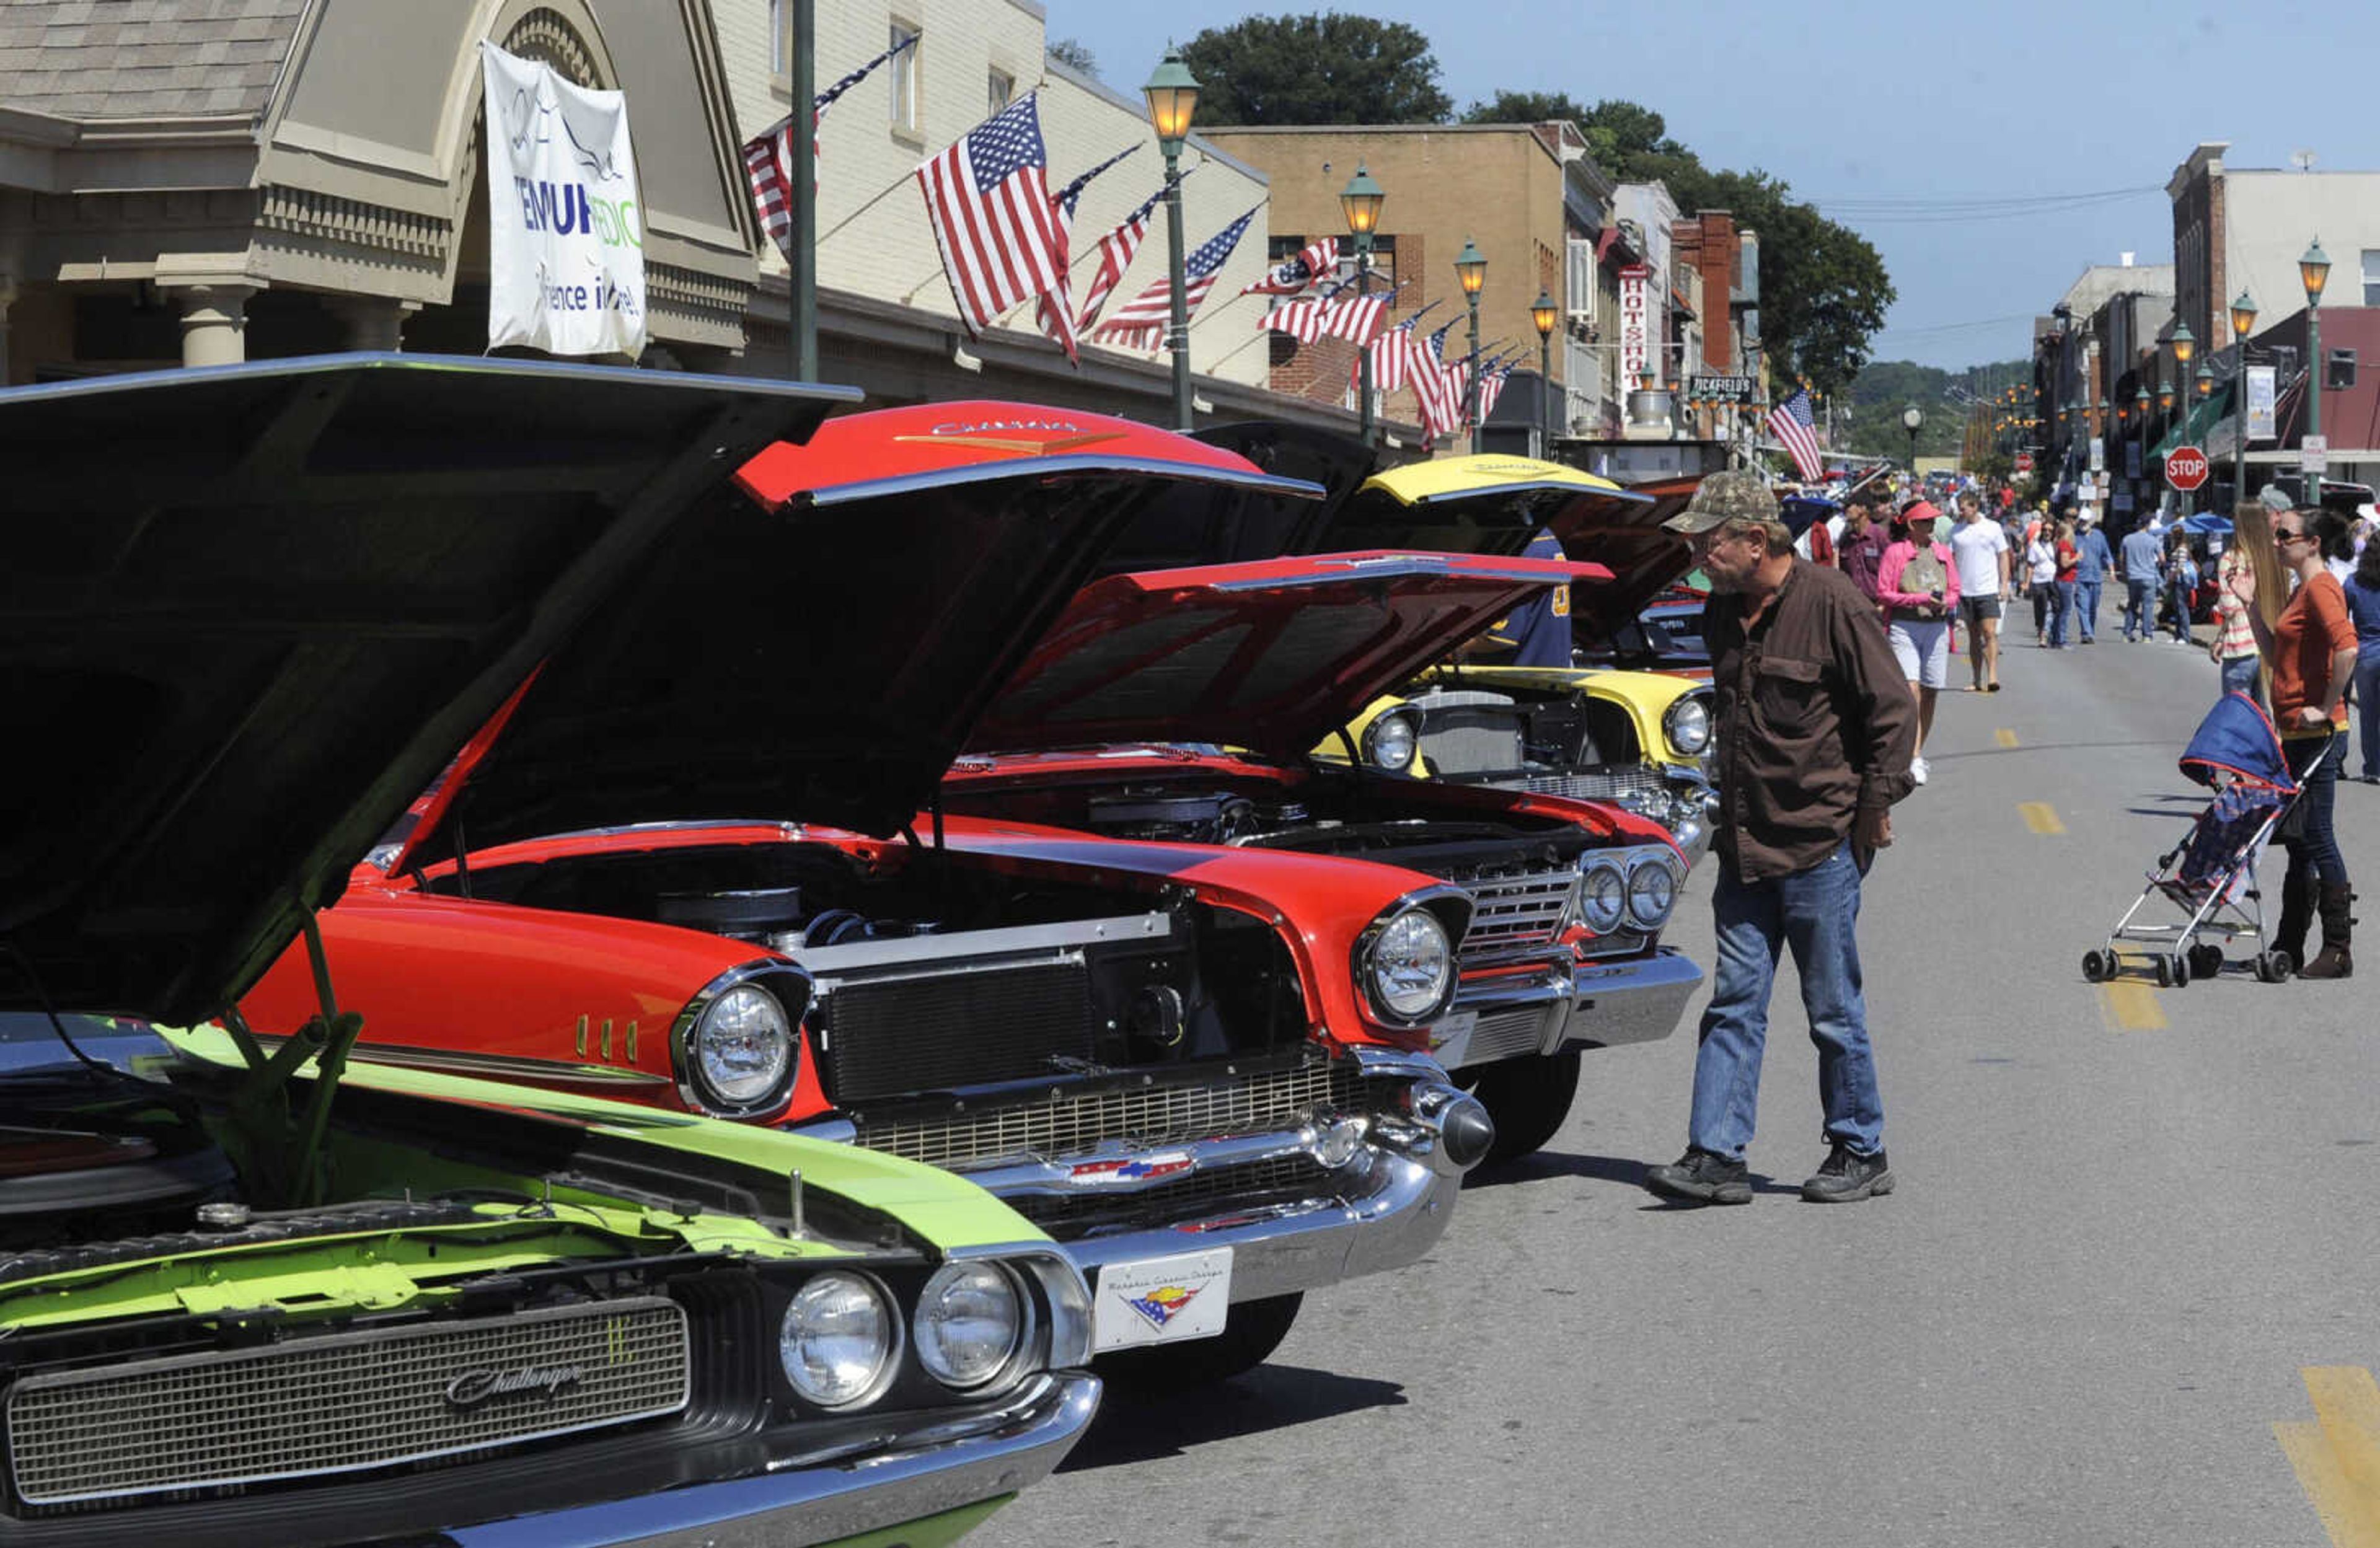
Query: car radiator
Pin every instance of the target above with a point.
(342, 1402)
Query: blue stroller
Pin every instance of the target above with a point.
(2211, 875)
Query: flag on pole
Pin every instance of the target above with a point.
(988, 201)
(1437, 386)
(1491, 387)
(1142, 322)
(1392, 354)
(1791, 423)
(769, 157)
(1115, 250)
(1354, 318)
(1054, 310)
(1292, 275)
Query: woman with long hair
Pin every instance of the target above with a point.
(2362, 590)
(2065, 559)
(2250, 555)
(2310, 648)
(2041, 577)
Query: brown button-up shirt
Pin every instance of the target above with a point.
(1815, 721)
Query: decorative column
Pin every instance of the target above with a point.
(214, 323)
(375, 324)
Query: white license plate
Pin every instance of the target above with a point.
(1450, 1040)
(1161, 1300)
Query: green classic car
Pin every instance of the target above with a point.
(252, 1296)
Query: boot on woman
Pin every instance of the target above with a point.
(2297, 914)
(2338, 925)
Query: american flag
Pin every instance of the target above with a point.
(1054, 310)
(1393, 355)
(1437, 386)
(988, 201)
(768, 158)
(1116, 252)
(1492, 386)
(1292, 275)
(1353, 318)
(1790, 422)
(1142, 322)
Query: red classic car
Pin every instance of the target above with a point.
(701, 861)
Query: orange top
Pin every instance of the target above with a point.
(2313, 628)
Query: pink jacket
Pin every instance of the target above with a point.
(1896, 560)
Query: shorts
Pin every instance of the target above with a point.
(1974, 610)
(1921, 646)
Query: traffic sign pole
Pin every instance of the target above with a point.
(2185, 469)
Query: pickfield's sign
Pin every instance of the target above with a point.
(1635, 322)
(566, 224)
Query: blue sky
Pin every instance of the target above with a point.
(1890, 116)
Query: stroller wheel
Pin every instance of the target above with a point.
(2094, 967)
(2206, 961)
(2273, 967)
(2180, 971)
(2165, 966)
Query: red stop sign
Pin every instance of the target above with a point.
(2185, 468)
(2024, 462)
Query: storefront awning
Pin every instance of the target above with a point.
(2207, 412)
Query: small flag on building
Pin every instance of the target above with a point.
(769, 157)
(1354, 318)
(1292, 275)
(1142, 322)
(1054, 310)
(1791, 423)
(988, 201)
(1116, 251)
(1393, 355)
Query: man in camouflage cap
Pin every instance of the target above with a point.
(1815, 729)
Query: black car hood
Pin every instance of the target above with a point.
(820, 653)
(1224, 524)
(247, 614)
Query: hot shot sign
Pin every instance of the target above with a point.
(566, 225)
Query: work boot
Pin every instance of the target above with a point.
(1700, 1178)
(1846, 1175)
(2296, 914)
(2338, 925)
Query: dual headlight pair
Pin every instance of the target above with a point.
(1634, 888)
(840, 1339)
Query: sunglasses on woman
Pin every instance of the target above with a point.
(2283, 536)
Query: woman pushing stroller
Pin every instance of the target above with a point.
(2309, 649)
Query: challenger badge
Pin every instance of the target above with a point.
(474, 1389)
(1163, 1304)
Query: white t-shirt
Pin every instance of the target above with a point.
(1977, 546)
(2041, 554)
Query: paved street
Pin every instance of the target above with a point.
(2127, 1219)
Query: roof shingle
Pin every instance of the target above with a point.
(143, 58)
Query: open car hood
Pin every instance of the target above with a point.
(1208, 525)
(248, 612)
(820, 650)
(1271, 656)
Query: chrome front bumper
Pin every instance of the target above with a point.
(1635, 1001)
(802, 1500)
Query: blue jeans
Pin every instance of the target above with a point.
(2137, 623)
(2178, 596)
(2086, 603)
(2240, 676)
(1814, 912)
(2367, 707)
(2061, 608)
(2316, 762)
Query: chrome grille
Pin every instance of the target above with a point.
(1505, 1034)
(1067, 1121)
(340, 1403)
(1513, 916)
(1251, 1186)
(1626, 782)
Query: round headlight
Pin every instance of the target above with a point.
(741, 1049)
(1388, 743)
(970, 1320)
(1652, 893)
(837, 1340)
(1602, 897)
(1412, 966)
(1687, 725)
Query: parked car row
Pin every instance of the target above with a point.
(844, 944)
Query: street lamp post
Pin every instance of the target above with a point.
(2313, 269)
(1173, 95)
(1471, 268)
(2243, 318)
(2185, 346)
(1360, 203)
(1911, 417)
(1544, 314)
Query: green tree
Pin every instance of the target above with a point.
(1076, 54)
(1632, 141)
(1326, 68)
(1525, 107)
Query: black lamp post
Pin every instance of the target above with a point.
(2243, 319)
(1360, 203)
(1471, 268)
(2313, 270)
(1173, 95)
(1544, 314)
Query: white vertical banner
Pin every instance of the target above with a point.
(1635, 324)
(565, 226)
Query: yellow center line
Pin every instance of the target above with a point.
(2005, 737)
(2337, 1456)
(2132, 1007)
(2040, 816)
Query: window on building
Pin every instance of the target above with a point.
(2371, 277)
(1003, 89)
(902, 68)
(781, 37)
